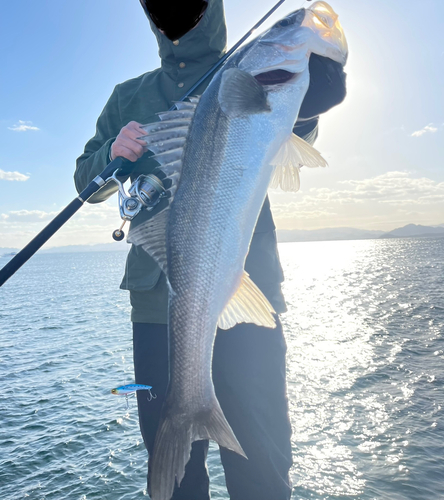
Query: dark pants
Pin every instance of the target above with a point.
(249, 378)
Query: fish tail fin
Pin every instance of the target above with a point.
(172, 447)
(215, 426)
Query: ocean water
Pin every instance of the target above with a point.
(364, 329)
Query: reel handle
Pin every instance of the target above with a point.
(118, 234)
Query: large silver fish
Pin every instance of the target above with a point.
(221, 152)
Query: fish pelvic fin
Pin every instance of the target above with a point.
(292, 155)
(247, 305)
(173, 442)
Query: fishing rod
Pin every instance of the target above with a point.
(233, 49)
(109, 174)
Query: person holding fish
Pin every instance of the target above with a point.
(218, 265)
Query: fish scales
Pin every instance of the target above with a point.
(204, 244)
(194, 242)
(239, 137)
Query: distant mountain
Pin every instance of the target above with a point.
(415, 230)
(5, 251)
(327, 234)
(101, 247)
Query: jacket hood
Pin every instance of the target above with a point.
(204, 44)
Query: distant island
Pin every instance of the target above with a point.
(412, 230)
(349, 233)
(283, 235)
(101, 247)
(327, 234)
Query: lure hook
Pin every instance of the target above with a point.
(151, 395)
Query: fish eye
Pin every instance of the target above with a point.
(326, 21)
(284, 22)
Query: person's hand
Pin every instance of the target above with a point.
(127, 145)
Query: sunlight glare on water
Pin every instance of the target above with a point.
(327, 351)
(345, 338)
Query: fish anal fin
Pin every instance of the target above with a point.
(293, 154)
(241, 94)
(247, 305)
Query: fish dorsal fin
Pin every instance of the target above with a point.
(185, 105)
(247, 305)
(241, 94)
(151, 236)
(156, 137)
(151, 128)
(168, 155)
(167, 145)
(166, 139)
(292, 155)
(177, 114)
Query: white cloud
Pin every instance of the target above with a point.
(29, 215)
(12, 176)
(385, 202)
(90, 225)
(382, 202)
(427, 129)
(395, 187)
(23, 126)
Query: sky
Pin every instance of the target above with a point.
(384, 144)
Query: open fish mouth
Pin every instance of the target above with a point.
(274, 77)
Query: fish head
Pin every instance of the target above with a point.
(114, 391)
(330, 37)
(283, 51)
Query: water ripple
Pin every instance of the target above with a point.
(365, 375)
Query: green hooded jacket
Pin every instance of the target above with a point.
(184, 61)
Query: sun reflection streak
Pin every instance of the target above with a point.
(340, 296)
(327, 351)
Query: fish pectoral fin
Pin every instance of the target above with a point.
(247, 305)
(292, 155)
(241, 94)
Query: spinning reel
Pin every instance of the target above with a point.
(144, 193)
